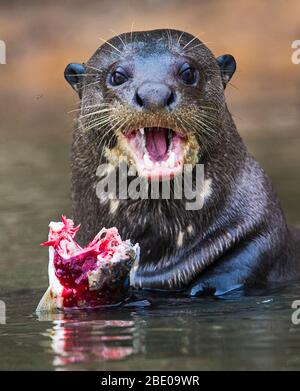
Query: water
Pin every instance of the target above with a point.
(235, 332)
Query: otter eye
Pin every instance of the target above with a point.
(187, 74)
(118, 77)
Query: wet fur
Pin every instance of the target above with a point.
(240, 236)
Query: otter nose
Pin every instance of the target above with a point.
(154, 96)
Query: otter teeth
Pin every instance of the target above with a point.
(170, 163)
(142, 130)
(147, 161)
(171, 160)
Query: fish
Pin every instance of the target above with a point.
(90, 277)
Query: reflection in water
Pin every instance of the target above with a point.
(179, 333)
(238, 333)
(77, 341)
(235, 332)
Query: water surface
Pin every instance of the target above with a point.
(234, 332)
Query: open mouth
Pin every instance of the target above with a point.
(158, 152)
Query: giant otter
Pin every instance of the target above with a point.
(147, 95)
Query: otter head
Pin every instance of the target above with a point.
(156, 97)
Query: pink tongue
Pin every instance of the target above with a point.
(156, 143)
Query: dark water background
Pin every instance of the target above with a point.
(234, 332)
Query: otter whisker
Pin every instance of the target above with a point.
(95, 120)
(207, 128)
(205, 107)
(109, 119)
(102, 104)
(74, 110)
(209, 117)
(116, 124)
(186, 122)
(118, 36)
(103, 150)
(102, 136)
(170, 41)
(200, 121)
(125, 39)
(89, 107)
(110, 44)
(96, 69)
(201, 128)
(89, 84)
(178, 41)
(98, 120)
(110, 130)
(96, 117)
(213, 124)
(98, 112)
(97, 123)
(193, 125)
(204, 113)
(113, 130)
(179, 119)
(202, 133)
(204, 110)
(104, 145)
(83, 74)
(93, 126)
(196, 46)
(131, 31)
(192, 40)
(107, 143)
(78, 109)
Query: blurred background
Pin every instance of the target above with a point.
(36, 126)
(42, 38)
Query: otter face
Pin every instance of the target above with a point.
(155, 97)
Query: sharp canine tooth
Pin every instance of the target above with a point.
(147, 161)
(172, 159)
(142, 130)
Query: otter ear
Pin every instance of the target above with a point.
(227, 66)
(73, 74)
